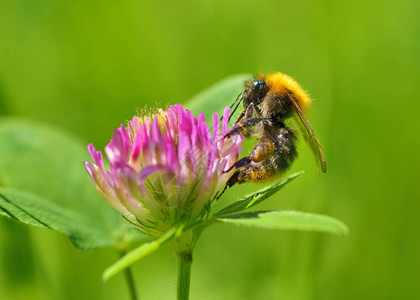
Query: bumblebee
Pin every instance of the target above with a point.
(268, 101)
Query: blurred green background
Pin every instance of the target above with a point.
(85, 66)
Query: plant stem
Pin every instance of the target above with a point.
(130, 281)
(184, 274)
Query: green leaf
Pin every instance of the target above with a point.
(218, 96)
(47, 162)
(33, 210)
(257, 197)
(137, 254)
(287, 220)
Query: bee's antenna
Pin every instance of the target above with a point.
(240, 97)
(237, 98)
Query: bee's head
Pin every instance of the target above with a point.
(255, 91)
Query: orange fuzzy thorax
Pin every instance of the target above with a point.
(283, 84)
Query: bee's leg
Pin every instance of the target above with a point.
(245, 113)
(263, 150)
(232, 180)
(240, 117)
(242, 127)
(240, 163)
(252, 111)
(256, 111)
(256, 172)
(251, 116)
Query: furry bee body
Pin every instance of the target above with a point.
(267, 103)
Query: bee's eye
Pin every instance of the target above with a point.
(258, 84)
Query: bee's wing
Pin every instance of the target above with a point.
(310, 137)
